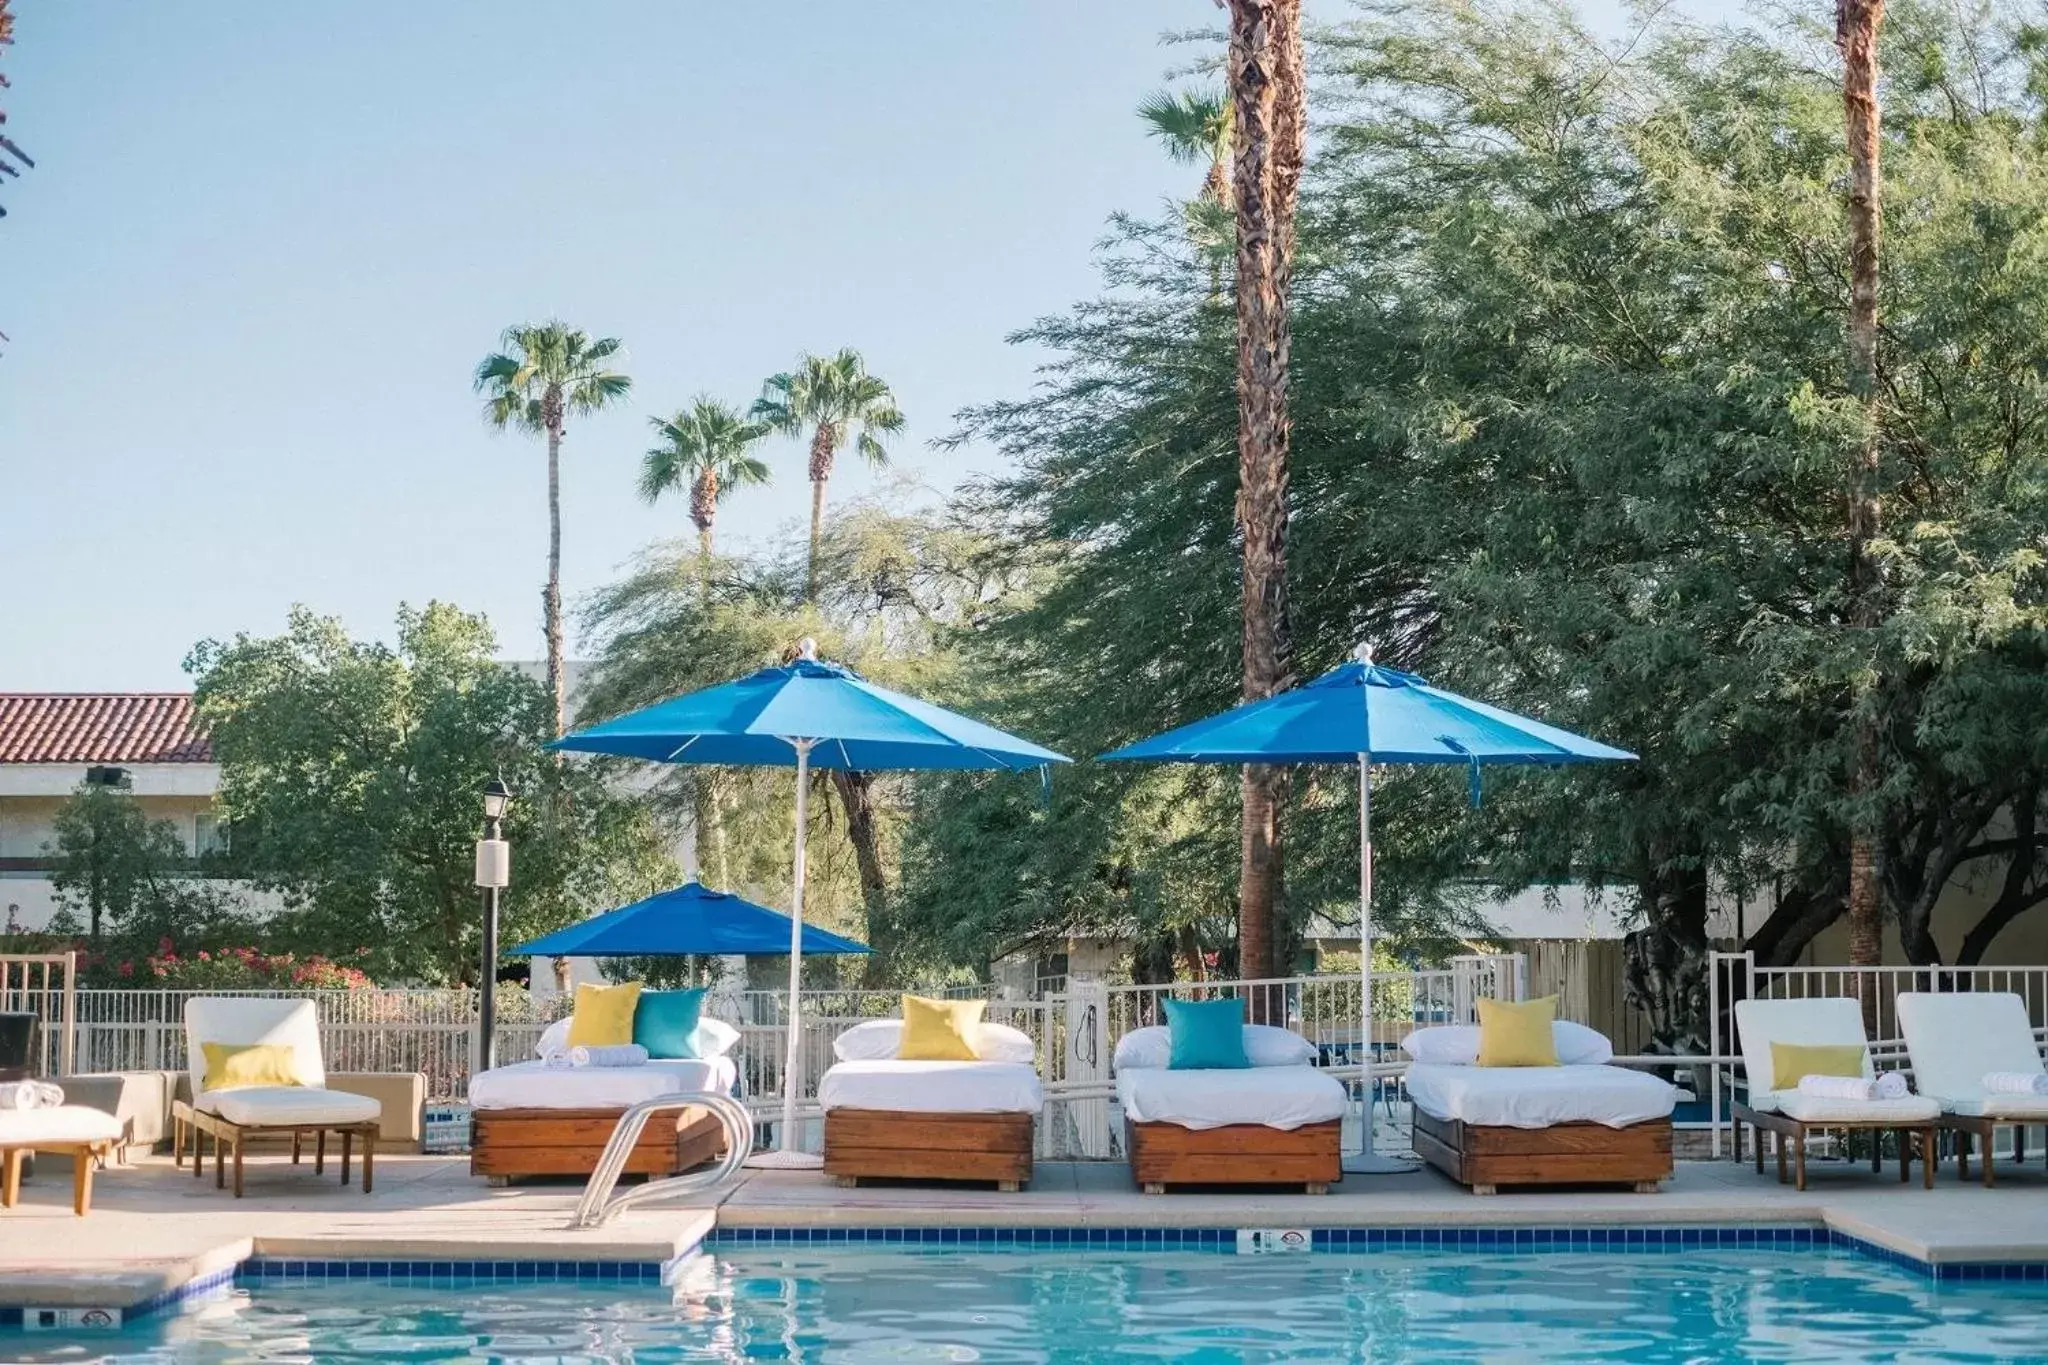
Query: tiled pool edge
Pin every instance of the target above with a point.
(1532, 1240)
(262, 1268)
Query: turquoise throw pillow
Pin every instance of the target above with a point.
(1207, 1035)
(665, 1021)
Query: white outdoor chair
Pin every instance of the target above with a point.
(1955, 1040)
(233, 1115)
(1790, 1115)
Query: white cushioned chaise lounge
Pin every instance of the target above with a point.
(1955, 1041)
(230, 1117)
(1790, 1115)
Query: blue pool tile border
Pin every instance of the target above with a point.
(1651, 1239)
(273, 1268)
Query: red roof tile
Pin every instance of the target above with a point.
(101, 727)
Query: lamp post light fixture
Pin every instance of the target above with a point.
(493, 875)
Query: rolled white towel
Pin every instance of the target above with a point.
(2015, 1083)
(1890, 1086)
(565, 1059)
(616, 1054)
(20, 1095)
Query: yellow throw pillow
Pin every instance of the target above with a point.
(233, 1067)
(940, 1030)
(1517, 1035)
(1790, 1061)
(604, 1015)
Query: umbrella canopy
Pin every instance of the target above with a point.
(1364, 714)
(806, 714)
(853, 725)
(1361, 710)
(691, 919)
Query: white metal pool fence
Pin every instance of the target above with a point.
(1076, 1027)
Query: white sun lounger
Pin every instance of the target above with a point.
(232, 1115)
(1955, 1040)
(1790, 1115)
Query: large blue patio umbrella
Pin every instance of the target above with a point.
(688, 920)
(1362, 713)
(807, 714)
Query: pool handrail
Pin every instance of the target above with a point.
(599, 1206)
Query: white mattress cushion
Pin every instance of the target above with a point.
(1539, 1096)
(932, 1087)
(64, 1123)
(1813, 1109)
(264, 1105)
(1282, 1097)
(1958, 1038)
(2002, 1107)
(529, 1085)
(1809, 1021)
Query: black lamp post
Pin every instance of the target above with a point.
(493, 874)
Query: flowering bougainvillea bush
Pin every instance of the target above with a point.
(226, 969)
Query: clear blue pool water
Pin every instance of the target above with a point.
(842, 1306)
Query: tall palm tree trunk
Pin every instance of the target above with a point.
(704, 512)
(823, 441)
(1857, 23)
(551, 596)
(1264, 61)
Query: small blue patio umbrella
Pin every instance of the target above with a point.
(1362, 713)
(809, 714)
(688, 920)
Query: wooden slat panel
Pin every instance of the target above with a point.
(565, 1161)
(567, 1127)
(888, 1144)
(906, 1163)
(1240, 1154)
(1566, 1168)
(874, 1128)
(1644, 1139)
(1440, 1154)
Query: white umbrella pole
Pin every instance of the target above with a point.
(1366, 1162)
(786, 1156)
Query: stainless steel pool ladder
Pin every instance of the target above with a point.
(599, 1205)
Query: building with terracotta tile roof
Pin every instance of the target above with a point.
(150, 743)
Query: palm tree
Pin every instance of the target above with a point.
(704, 447)
(1196, 128)
(1267, 99)
(1857, 24)
(836, 399)
(547, 371)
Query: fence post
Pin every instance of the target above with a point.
(1087, 1032)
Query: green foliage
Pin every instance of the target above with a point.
(548, 369)
(705, 448)
(837, 396)
(1570, 426)
(352, 771)
(112, 863)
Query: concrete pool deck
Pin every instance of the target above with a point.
(154, 1228)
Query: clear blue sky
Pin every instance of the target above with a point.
(267, 243)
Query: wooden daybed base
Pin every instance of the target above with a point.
(1165, 1154)
(506, 1144)
(1486, 1157)
(896, 1144)
(1792, 1133)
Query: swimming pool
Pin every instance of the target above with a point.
(832, 1304)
